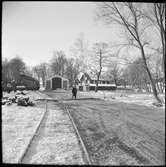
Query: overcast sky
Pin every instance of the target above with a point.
(33, 30)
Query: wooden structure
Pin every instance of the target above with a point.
(56, 82)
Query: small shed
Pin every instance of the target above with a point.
(57, 81)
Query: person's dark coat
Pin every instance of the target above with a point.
(74, 92)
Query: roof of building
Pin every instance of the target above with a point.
(85, 75)
(56, 76)
(92, 77)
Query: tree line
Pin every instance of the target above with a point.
(11, 70)
(59, 65)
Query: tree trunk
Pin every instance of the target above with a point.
(115, 80)
(163, 47)
(163, 60)
(157, 85)
(161, 86)
(96, 89)
(98, 74)
(150, 76)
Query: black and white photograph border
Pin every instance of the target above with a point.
(83, 83)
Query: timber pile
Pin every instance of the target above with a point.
(24, 101)
(19, 98)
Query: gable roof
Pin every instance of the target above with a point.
(85, 75)
(90, 77)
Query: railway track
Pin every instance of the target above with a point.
(83, 147)
(34, 135)
(85, 154)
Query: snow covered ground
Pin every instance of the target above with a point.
(56, 141)
(121, 96)
(34, 95)
(18, 126)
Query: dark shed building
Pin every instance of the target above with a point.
(57, 82)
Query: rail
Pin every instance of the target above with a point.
(32, 138)
(78, 135)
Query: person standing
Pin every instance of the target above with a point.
(74, 92)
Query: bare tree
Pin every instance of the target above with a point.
(41, 71)
(138, 76)
(99, 59)
(36, 71)
(157, 16)
(114, 71)
(157, 72)
(58, 63)
(48, 70)
(129, 16)
(80, 52)
(124, 78)
(72, 70)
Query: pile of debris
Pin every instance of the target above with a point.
(20, 98)
(157, 104)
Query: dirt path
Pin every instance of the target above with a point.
(119, 133)
(124, 134)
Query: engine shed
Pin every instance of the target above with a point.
(56, 82)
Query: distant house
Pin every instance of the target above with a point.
(88, 82)
(56, 82)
